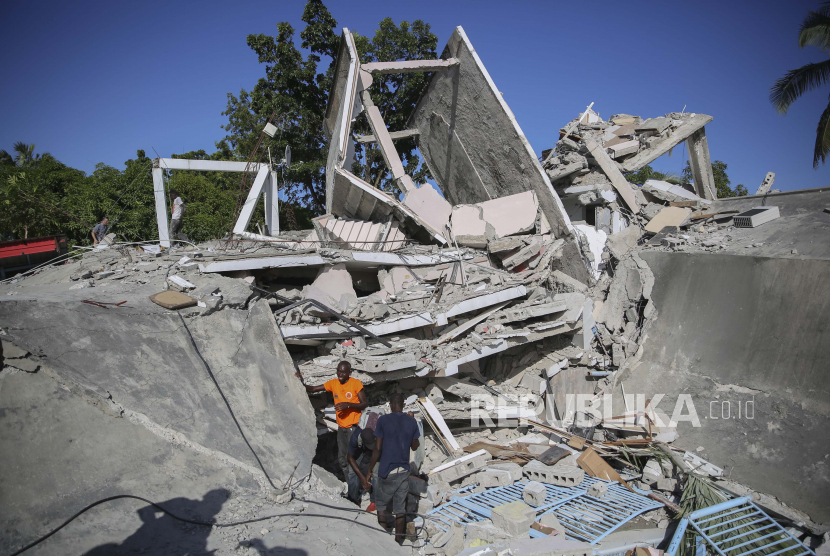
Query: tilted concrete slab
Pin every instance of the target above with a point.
(471, 140)
(351, 197)
(140, 357)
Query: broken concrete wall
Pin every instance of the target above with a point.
(140, 358)
(471, 141)
(736, 329)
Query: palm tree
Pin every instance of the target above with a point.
(815, 31)
(25, 154)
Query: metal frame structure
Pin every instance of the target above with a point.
(266, 179)
(737, 527)
(585, 517)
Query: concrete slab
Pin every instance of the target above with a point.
(473, 144)
(140, 358)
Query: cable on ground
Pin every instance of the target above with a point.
(205, 523)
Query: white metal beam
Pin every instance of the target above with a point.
(205, 165)
(161, 207)
(250, 202)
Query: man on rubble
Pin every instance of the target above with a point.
(395, 435)
(99, 232)
(349, 402)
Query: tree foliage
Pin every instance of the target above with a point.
(648, 173)
(296, 90)
(815, 31)
(722, 181)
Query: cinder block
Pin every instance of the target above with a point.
(534, 493)
(598, 489)
(461, 469)
(434, 393)
(485, 531)
(559, 475)
(494, 478)
(514, 469)
(514, 518)
(425, 506)
(669, 485)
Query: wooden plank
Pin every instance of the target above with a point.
(595, 466)
(617, 179)
(436, 417)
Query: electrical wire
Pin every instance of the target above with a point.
(207, 523)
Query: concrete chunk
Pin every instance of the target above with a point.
(514, 518)
(11, 351)
(534, 493)
(434, 393)
(494, 478)
(669, 216)
(514, 469)
(333, 287)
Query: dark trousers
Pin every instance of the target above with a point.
(175, 228)
(355, 488)
(343, 437)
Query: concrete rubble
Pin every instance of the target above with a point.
(506, 308)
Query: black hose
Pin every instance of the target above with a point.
(203, 523)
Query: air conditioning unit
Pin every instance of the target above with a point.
(755, 217)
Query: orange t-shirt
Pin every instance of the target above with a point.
(345, 393)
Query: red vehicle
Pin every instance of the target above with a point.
(18, 255)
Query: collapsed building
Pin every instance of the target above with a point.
(580, 351)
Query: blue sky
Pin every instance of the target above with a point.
(93, 81)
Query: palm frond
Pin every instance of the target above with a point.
(796, 82)
(822, 147)
(815, 29)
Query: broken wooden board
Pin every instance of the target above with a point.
(595, 466)
(173, 300)
(669, 216)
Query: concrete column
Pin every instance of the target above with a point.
(250, 202)
(161, 207)
(272, 214)
(701, 165)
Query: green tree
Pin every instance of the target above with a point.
(395, 95)
(296, 91)
(815, 31)
(648, 173)
(722, 181)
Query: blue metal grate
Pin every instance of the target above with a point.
(483, 502)
(584, 517)
(589, 518)
(737, 527)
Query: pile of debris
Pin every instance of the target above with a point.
(506, 307)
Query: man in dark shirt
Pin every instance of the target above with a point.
(361, 446)
(396, 434)
(99, 232)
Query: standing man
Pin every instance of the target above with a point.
(99, 232)
(349, 402)
(178, 212)
(395, 435)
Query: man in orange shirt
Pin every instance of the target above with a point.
(349, 402)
